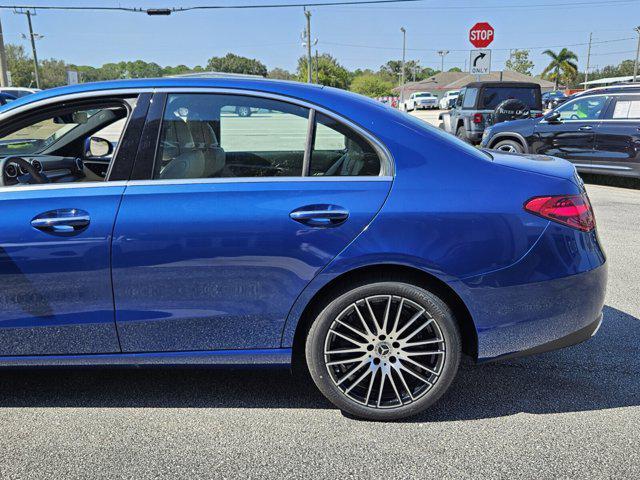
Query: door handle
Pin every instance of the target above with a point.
(65, 221)
(320, 215)
(585, 128)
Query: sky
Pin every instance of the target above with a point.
(358, 36)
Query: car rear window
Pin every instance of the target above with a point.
(493, 96)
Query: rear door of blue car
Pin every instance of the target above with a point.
(228, 217)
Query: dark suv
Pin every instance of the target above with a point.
(475, 107)
(598, 130)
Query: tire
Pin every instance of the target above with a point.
(461, 133)
(510, 146)
(381, 386)
(243, 111)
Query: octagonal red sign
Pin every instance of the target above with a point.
(481, 35)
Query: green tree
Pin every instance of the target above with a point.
(53, 73)
(20, 65)
(519, 62)
(454, 69)
(562, 66)
(232, 63)
(330, 72)
(391, 71)
(280, 74)
(371, 85)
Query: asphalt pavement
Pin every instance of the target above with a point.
(573, 413)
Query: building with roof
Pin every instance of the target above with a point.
(444, 81)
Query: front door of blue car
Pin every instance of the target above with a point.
(57, 220)
(243, 200)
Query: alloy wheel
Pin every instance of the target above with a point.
(384, 351)
(507, 148)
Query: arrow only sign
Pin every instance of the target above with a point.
(480, 62)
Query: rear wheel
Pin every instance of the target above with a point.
(510, 146)
(384, 351)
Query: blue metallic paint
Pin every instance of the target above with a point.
(453, 213)
(56, 293)
(218, 265)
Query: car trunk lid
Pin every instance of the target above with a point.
(542, 164)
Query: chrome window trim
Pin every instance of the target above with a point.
(189, 181)
(206, 181)
(62, 186)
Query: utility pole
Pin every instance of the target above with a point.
(442, 53)
(307, 14)
(586, 72)
(4, 79)
(317, 67)
(635, 65)
(32, 36)
(404, 51)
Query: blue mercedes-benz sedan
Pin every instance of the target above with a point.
(240, 221)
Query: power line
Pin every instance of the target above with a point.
(510, 6)
(170, 10)
(334, 3)
(495, 49)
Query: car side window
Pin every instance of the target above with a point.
(218, 136)
(470, 96)
(340, 151)
(62, 145)
(625, 108)
(587, 108)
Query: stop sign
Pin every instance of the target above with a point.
(481, 35)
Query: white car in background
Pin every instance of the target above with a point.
(18, 91)
(448, 98)
(418, 100)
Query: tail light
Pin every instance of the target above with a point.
(572, 210)
(538, 115)
(477, 118)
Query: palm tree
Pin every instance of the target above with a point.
(564, 61)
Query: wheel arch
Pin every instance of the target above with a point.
(509, 136)
(384, 272)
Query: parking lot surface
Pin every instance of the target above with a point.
(571, 413)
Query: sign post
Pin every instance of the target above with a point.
(481, 35)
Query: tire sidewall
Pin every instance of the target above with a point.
(318, 332)
(513, 143)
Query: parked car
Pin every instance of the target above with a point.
(18, 92)
(449, 99)
(477, 103)
(282, 241)
(553, 99)
(420, 100)
(598, 130)
(6, 98)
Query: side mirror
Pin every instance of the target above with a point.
(553, 117)
(98, 147)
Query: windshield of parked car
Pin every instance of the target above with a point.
(494, 96)
(423, 95)
(38, 136)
